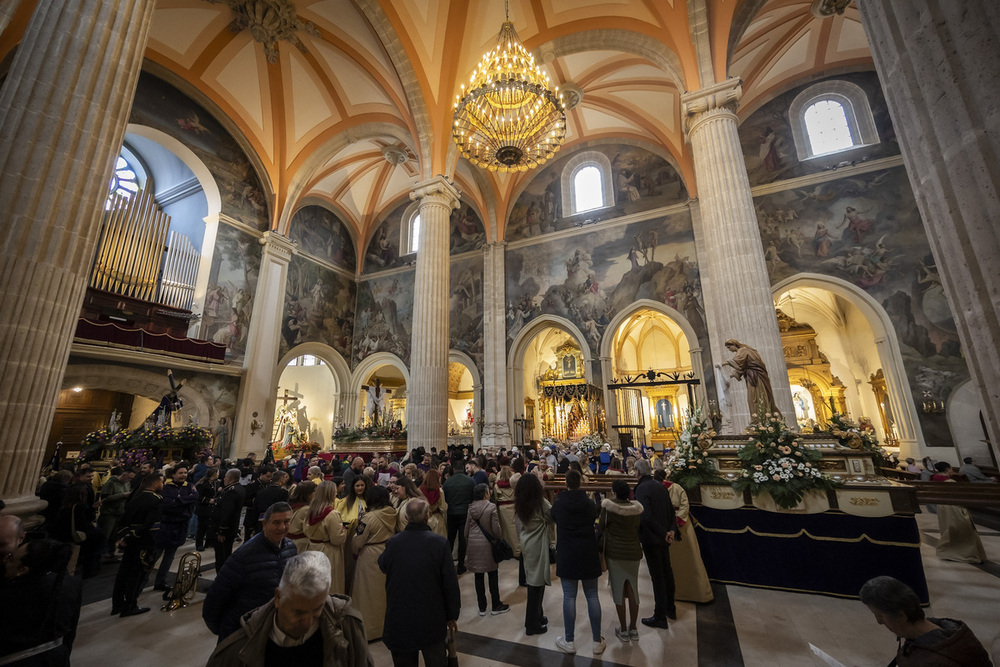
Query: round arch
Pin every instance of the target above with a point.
(365, 368)
(190, 160)
(333, 359)
(457, 357)
(515, 359)
(139, 382)
(911, 437)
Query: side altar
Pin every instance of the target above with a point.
(830, 543)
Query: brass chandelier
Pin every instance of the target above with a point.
(510, 119)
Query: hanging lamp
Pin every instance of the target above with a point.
(510, 119)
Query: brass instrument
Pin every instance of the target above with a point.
(187, 582)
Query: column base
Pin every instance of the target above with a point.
(496, 435)
(26, 507)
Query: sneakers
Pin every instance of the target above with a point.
(482, 612)
(622, 635)
(633, 634)
(599, 646)
(565, 646)
(497, 610)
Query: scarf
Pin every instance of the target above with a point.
(432, 495)
(313, 520)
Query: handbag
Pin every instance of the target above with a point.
(452, 650)
(501, 548)
(79, 537)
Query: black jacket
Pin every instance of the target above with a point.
(268, 496)
(576, 556)
(951, 646)
(421, 588)
(225, 517)
(27, 620)
(658, 516)
(141, 521)
(245, 582)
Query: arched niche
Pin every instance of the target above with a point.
(887, 356)
(320, 401)
(463, 378)
(362, 375)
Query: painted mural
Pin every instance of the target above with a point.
(769, 149)
(232, 284)
(320, 233)
(467, 231)
(319, 307)
(641, 181)
(383, 250)
(591, 277)
(384, 316)
(866, 229)
(161, 106)
(465, 307)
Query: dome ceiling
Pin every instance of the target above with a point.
(359, 76)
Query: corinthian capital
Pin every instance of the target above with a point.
(718, 98)
(438, 190)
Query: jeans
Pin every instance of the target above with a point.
(435, 655)
(456, 528)
(494, 589)
(658, 562)
(569, 587)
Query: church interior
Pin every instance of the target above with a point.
(266, 199)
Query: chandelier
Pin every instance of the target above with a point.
(510, 119)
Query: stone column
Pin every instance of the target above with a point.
(427, 407)
(61, 128)
(263, 340)
(496, 427)
(735, 283)
(7, 10)
(939, 65)
(610, 406)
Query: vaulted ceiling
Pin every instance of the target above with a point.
(377, 77)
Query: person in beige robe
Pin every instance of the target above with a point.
(690, 577)
(325, 531)
(376, 526)
(301, 496)
(403, 491)
(504, 494)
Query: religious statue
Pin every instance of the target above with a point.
(748, 365)
(288, 427)
(376, 402)
(170, 402)
(115, 423)
(221, 443)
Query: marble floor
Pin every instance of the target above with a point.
(744, 626)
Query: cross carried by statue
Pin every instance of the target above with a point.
(376, 401)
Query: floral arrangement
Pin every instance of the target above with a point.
(549, 442)
(690, 467)
(188, 438)
(136, 457)
(382, 432)
(859, 436)
(95, 441)
(776, 463)
(591, 442)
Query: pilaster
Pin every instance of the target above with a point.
(263, 341)
(427, 406)
(496, 428)
(736, 285)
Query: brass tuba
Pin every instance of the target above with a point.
(186, 584)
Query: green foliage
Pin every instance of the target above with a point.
(774, 461)
(859, 437)
(690, 467)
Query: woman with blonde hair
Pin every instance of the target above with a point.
(431, 488)
(325, 530)
(404, 490)
(301, 496)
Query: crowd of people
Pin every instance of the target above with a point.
(334, 554)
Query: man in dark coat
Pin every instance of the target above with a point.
(458, 494)
(251, 521)
(180, 498)
(423, 599)
(656, 532)
(137, 528)
(250, 576)
(275, 492)
(225, 517)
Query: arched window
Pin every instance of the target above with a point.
(587, 191)
(586, 183)
(409, 230)
(827, 127)
(124, 181)
(831, 117)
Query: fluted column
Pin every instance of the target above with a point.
(735, 281)
(263, 340)
(496, 428)
(7, 10)
(63, 111)
(427, 406)
(939, 65)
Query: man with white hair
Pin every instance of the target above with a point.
(302, 625)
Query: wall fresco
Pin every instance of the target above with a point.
(384, 316)
(383, 249)
(467, 231)
(641, 181)
(321, 233)
(465, 308)
(161, 106)
(232, 284)
(319, 307)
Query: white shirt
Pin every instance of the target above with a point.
(284, 641)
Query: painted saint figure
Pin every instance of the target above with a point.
(855, 223)
(748, 365)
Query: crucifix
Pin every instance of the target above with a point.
(376, 401)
